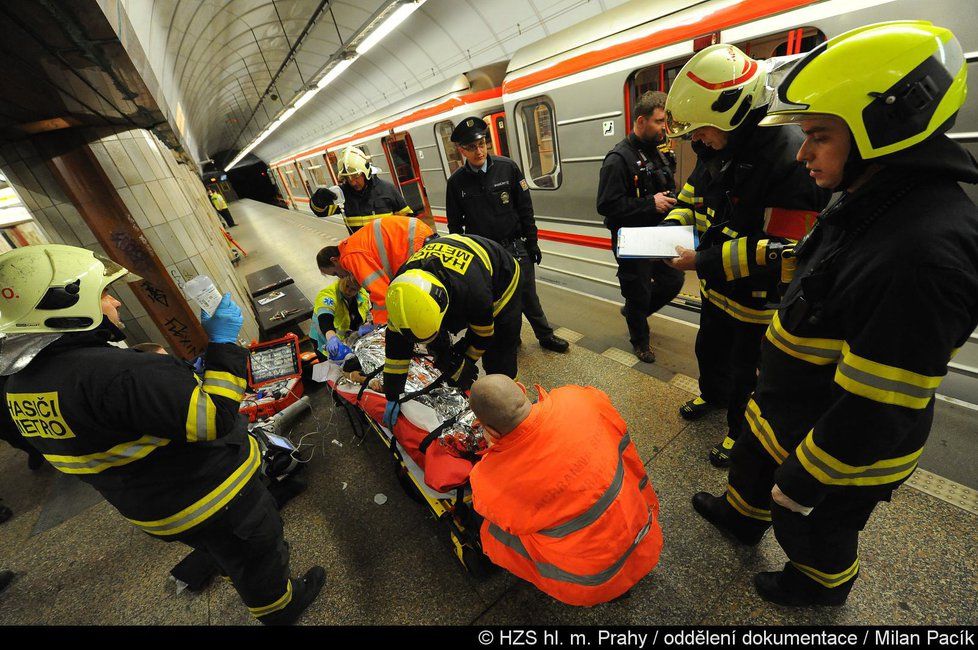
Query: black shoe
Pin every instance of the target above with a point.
(304, 591)
(695, 408)
(716, 511)
(720, 454)
(554, 343)
(775, 587)
(644, 353)
(5, 513)
(6, 577)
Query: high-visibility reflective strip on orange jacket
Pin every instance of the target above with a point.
(566, 500)
(374, 253)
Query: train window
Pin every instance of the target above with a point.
(293, 181)
(316, 169)
(450, 158)
(496, 123)
(794, 41)
(538, 135)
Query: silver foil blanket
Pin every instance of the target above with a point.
(465, 435)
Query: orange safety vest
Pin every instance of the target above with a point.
(566, 500)
(374, 253)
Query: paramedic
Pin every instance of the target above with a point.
(341, 307)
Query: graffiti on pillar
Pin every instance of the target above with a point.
(181, 332)
(155, 293)
(131, 248)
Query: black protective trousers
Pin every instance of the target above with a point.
(647, 286)
(500, 357)
(822, 547)
(531, 302)
(248, 545)
(226, 217)
(727, 353)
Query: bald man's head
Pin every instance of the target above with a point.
(499, 403)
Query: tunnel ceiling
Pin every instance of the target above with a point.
(214, 59)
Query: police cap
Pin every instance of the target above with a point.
(469, 130)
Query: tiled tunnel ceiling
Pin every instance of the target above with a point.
(215, 58)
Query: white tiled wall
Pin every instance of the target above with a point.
(164, 197)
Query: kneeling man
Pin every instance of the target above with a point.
(565, 497)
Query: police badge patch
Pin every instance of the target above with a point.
(469, 123)
(524, 185)
(504, 198)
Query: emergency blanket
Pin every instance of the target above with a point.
(448, 459)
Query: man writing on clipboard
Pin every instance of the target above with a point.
(637, 187)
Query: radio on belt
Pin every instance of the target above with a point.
(274, 376)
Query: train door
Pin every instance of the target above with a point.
(404, 167)
(498, 143)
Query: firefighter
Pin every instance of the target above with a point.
(367, 196)
(324, 202)
(168, 450)
(747, 198)
(217, 199)
(455, 282)
(566, 501)
(637, 187)
(885, 291)
(488, 196)
(340, 308)
(373, 255)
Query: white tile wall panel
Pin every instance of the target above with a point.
(108, 165)
(159, 193)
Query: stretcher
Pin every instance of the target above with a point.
(430, 472)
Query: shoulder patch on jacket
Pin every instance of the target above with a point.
(524, 185)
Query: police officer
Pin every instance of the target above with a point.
(169, 451)
(885, 292)
(488, 196)
(747, 197)
(366, 195)
(453, 283)
(637, 187)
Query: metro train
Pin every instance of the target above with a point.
(559, 105)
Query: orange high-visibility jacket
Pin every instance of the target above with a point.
(566, 500)
(374, 253)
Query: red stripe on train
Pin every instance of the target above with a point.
(603, 243)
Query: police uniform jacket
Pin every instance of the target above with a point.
(165, 447)
(480, 277)
(885, 293)
(378, 198)
(495, 204)
(631, 174)
(745, 201)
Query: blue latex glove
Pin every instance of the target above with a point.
(342, 353)
(391, 412)
(224, 325)
(365, 329)
(333, 346)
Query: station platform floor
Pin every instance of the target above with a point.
(388, 562)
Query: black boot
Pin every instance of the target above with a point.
(554, 343)
(304, 591)
(718, 512)
(6, 577)
(789, 589)
(5, 513)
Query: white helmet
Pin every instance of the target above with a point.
(352, 162)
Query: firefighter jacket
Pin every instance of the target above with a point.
(631, 175)
(747, 201)
(218, 201)
(331, 311)
(480, 277)
(494, 204)
(373, 255)
(885, 293)
(165, 447)
(566, 500)
(378, 198)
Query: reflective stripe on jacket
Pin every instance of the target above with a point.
(379, 198)
(373, 255)
(566, 500)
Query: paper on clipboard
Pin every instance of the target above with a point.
(655, 241)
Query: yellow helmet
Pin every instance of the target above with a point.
(894, 84)
(352, 162)
(53, 288)
(416, 304)
(717, 87)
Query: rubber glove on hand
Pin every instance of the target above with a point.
(224, 325)
(365, 329)
(333, 346)
(391, 412)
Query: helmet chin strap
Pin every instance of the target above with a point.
(110, 331)
(854, 168)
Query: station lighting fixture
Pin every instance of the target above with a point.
(383, 24)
